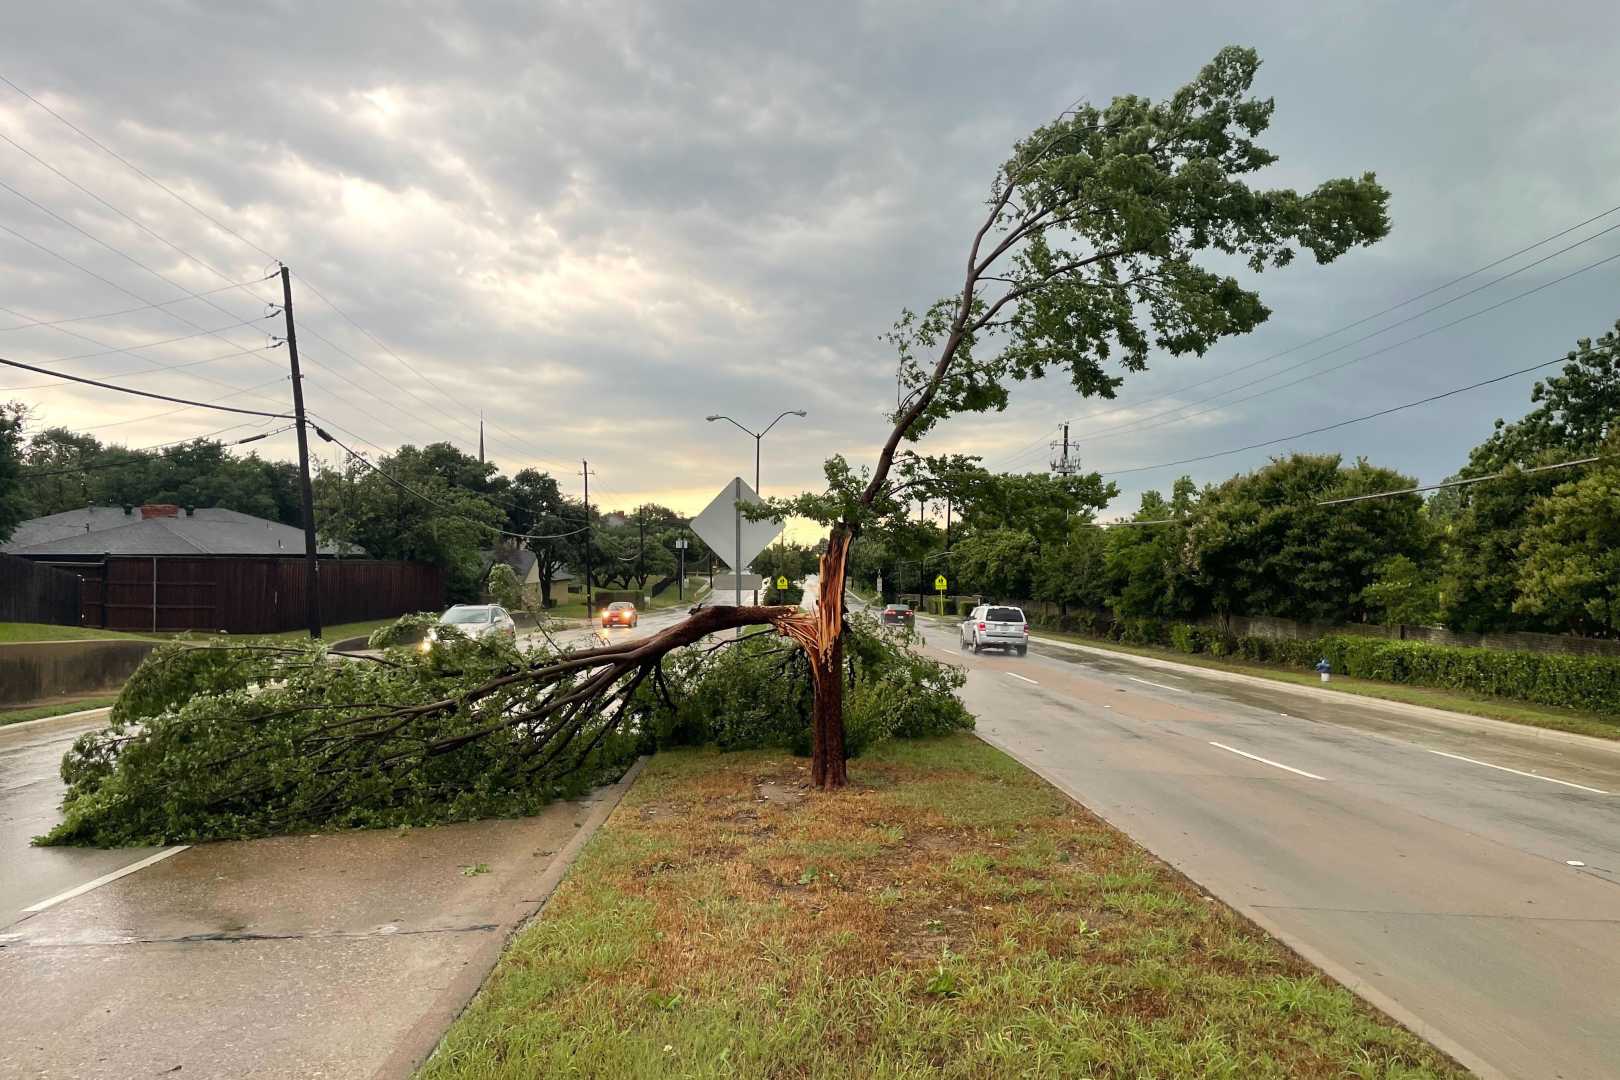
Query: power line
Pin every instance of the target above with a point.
(405, 363)
(136, 168)
(95, 466)
(1341, 423)
(127, 217)
(356, 455)
(148, 371)
(1382, 494)
(127, 311)
(171, 412)
(232, 232)
(142, 393)
(1358, 322)
(1142, 425)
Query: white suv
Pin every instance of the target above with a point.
(994, 626)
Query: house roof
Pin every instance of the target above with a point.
(521, 560)
(110, 530)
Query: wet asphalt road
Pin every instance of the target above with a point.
(31, 792)
(324, 955)
(1468, 880)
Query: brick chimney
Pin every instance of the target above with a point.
(159, 510)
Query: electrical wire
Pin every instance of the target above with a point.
(148, 371)
(361, 458)
(1342, 423)
(32, 474)
(1142, 425)
(232, 232)
(142, 393)
(171, 412)
(1384, 494)
(1351, 325)
(126, 311)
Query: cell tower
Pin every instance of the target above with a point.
(1064, 461)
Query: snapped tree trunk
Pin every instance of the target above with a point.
(821, 635)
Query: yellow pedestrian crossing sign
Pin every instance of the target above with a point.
(939, 582)
(781, 583)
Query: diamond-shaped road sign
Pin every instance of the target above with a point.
(732, 537)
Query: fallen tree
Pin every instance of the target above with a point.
(1086, 254)
(214, 740)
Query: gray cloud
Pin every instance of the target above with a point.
(599, 222)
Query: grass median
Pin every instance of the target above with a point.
(949, 914)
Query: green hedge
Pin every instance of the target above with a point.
(1590, 683)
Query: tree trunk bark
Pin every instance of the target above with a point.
(825, 647)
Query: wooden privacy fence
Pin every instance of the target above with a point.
(38, 594)
(248, 594)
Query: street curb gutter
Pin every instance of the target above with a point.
(1339, 973)
(46, 723)
(423, 1037)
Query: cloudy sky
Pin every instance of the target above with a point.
(599, 222)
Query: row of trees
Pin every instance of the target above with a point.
(1519, 550)
(433, 504)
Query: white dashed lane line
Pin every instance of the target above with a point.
(1266, 761)
(1160, 685)
(1517, 772)
(1015, 675)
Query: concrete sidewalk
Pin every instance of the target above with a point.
(333, 955)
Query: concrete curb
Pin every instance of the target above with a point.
(1482, 724)
(1334, 970)
(46, 723)
(423, 1037)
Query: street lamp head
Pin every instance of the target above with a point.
(800, 412)
(712, 419)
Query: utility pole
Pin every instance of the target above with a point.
(1061, 464)
(641, 545)
(922, 507)
(680, 582)
(312, 563)
(585, 471)
(480, 436)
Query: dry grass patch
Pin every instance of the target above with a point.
(949, 915)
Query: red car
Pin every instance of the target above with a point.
(619, 613)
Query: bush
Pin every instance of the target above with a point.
(1590, 683)
(756, 694)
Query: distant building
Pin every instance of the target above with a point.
(527, 568)
(157, 529)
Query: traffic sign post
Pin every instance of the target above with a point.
(940, 583)
(722, 526)
(781, 583)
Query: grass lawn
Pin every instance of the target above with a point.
(40, 712)
(1517, 712)
(13, 631)
(335, 633)
(950, 914)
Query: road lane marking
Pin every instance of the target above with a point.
(1266, 761)
(1160, 685)
(105, 879)
(1015, 675)
(1517, 772)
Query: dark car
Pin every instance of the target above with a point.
(619, 613)
(899, 615)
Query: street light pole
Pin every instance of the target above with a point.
(758, 438)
